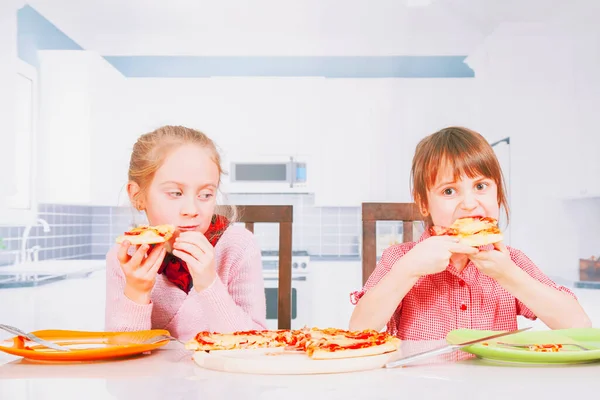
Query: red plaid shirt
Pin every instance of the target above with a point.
(442, 302)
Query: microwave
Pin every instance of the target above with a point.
(267, 174)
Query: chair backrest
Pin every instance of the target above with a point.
(373, 212)
(284, 216)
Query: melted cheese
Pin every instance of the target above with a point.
(226, 342)
(469, 226)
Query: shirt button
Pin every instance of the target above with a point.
(463, 307)
(461, 283)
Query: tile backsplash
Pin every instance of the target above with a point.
(79, 232)
(83, 232)
(322, 231)
(70, 234)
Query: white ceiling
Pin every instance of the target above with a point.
(291, 27)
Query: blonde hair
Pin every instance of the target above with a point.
(465, 152)
(152, 148)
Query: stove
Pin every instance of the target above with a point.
(301, 288)
(300, 263)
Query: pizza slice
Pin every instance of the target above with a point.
(472, 231)
(334, 343)
(145, 234)
(240, 340)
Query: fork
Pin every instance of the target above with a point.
(160, 338)
(33, 338)
(127, 338)
(525, 345)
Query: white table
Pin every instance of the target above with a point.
(170, 373)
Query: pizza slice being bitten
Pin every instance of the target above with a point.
(472, 231)
(145, 234)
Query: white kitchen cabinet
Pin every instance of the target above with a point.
(110, 126)
(64, 135)
(548, 108)
(18, 96)
(79, 95)
(583, 139)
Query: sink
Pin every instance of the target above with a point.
(47, 271)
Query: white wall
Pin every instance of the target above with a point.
(537, 85)
(361, 133)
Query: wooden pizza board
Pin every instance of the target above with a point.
(276, 361)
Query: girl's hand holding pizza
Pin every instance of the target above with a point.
(432, 255)
(140, 269)
(494, 263)
(199, 255)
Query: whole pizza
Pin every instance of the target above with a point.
(316, 343)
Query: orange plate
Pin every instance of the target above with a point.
(85, 346)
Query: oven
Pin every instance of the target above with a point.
(301, 289)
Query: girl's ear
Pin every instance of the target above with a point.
(134, 192)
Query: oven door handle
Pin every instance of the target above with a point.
(294, 278)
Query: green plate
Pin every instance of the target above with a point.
(587, 337)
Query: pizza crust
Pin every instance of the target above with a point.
(323, 354)
(481, 239)
(192, 345)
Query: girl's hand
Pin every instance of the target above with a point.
(199, 255)
(140, 270)
(494, 263)
(432, 255)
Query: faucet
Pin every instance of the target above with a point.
(23, 254)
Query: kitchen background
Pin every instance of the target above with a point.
(348, 87)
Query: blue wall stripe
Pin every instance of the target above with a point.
(35, 32)
(327, 66)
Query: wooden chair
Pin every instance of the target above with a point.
(284, 216)
(373, 212)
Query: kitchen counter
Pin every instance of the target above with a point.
(170, 373)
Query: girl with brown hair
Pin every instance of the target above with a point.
(426, 289)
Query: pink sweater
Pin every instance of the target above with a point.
(235, 301)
